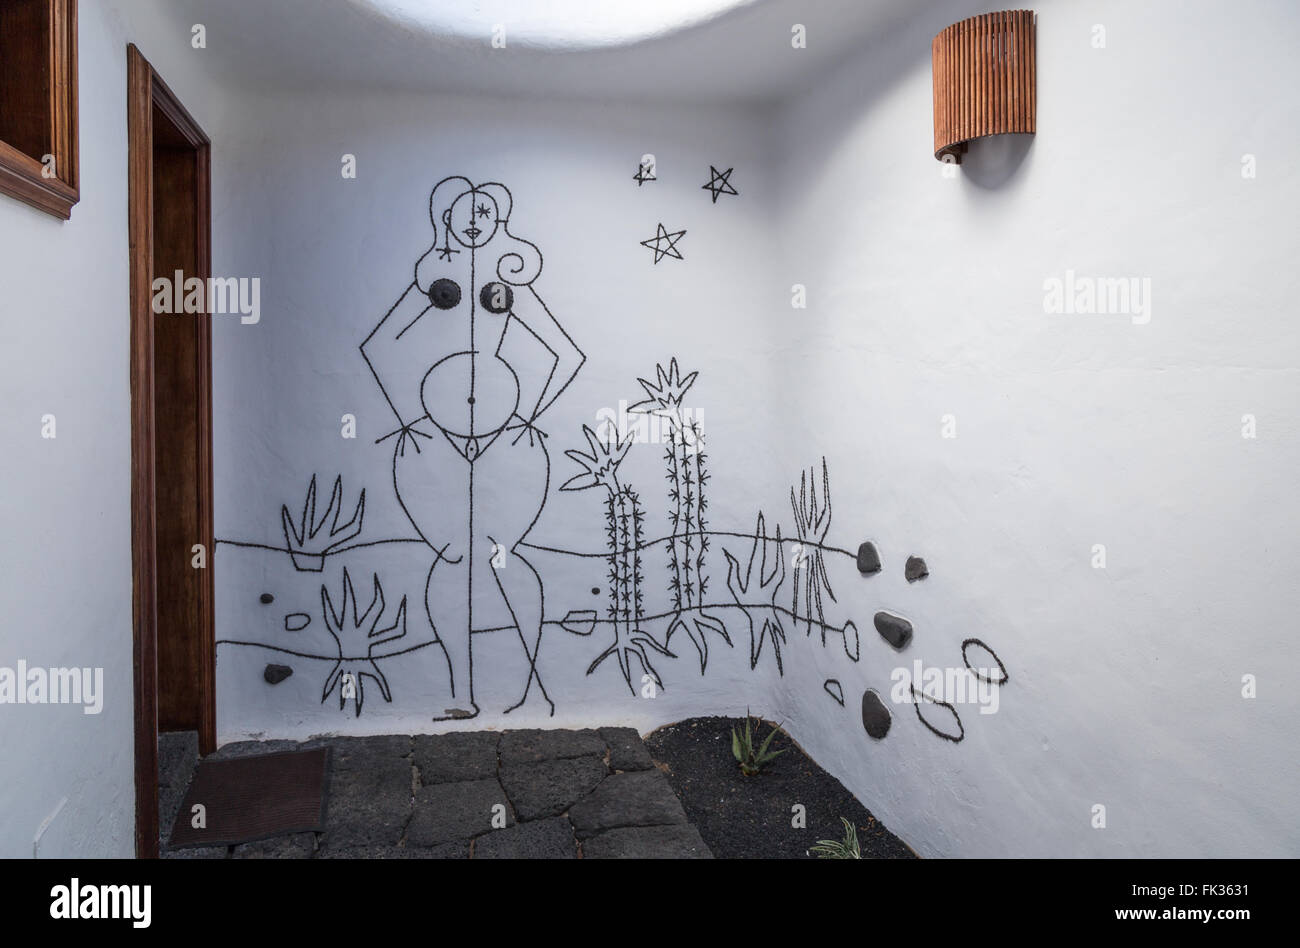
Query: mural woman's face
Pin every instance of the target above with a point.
(472, 218)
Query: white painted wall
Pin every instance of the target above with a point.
(65, 565)
(926, 298)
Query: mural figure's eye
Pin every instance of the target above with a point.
(496, 297)
(444, 293)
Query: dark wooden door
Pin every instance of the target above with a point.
(171, 434)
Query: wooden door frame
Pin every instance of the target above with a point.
(145, 91)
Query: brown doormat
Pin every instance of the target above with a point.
(251, 798)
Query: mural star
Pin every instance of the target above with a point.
(644, 172)
(483, 210)
(664, 243)
(719, 183)
(445, 252)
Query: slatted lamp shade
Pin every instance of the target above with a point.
(983, 80)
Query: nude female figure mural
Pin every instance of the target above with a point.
(468, 359)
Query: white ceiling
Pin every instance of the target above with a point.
(691, 50)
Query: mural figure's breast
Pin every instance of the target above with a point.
(470, 393)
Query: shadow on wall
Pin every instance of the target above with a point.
(991, 162)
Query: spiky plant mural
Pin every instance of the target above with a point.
(766, 554)
(812, 522)
(687, 476)
(624, 536)
(356, 640)
(309, 541)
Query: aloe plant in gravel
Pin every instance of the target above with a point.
(742, 746)
(846, 848)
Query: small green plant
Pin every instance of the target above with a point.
(742, 746)
(846, 848)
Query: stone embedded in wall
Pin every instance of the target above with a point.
(274, 674)
(875, 716)
(296, 621)
(895, 630)
(266, 599)
(868, 559)
(444, 293)
(915, 569)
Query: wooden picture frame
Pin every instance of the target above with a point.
(50, 180)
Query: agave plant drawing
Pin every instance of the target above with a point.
(687, 476)
(812, 522)
(624, 521)
(766, 554)
(305, 549)
(356, 637)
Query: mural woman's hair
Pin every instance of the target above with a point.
(520, 261)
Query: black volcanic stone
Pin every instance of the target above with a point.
(541, 839)
(868, 559)
(275, 674)
(915, 569)
(875, 716)
(626, 749)
(895, 630)
(550, 787)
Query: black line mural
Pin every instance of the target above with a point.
(833, 688)
(645, 171)
(624, 534)
(356, 642)
(919, 698)
(664, 243)
(719, 183)
(978, 671)
(769, 582)
(468, 360)
(304, 535)
(468, 366)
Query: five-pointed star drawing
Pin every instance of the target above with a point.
(719, 183)
(664, 243)
(645, 171)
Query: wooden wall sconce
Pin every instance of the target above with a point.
(984, 80)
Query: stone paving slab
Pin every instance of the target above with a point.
(550, 787)
(252, 749)
(455, 757)
(446, 812)
(362, 753)
(642, 798)
(369, 807)
(458, 850)
(626, 749)
(648, 842)
(178, 755)
(533, 745)
(295, 846)
(432, 797)
(541, 839)
(198, 852)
